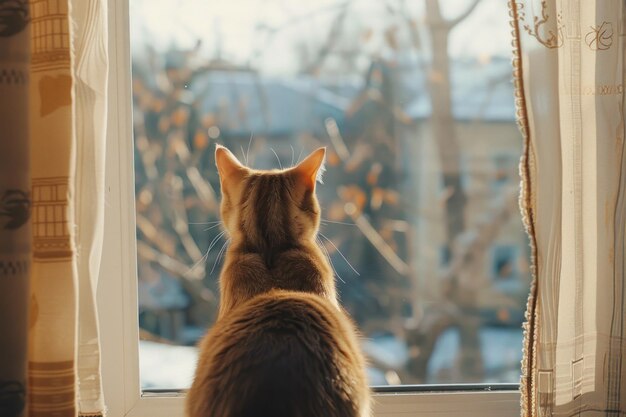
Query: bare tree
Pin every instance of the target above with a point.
(449, 151)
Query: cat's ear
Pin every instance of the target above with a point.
(228, 166)
(311, 168)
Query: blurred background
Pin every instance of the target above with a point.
(413, 100)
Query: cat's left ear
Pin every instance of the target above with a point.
(230, 169)
(311, 168)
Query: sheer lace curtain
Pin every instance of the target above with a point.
(52, 113)
(570, 75)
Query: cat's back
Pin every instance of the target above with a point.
(281, 354)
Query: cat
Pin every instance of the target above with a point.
(281, 346)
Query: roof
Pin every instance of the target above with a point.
(479, 92)
(245, 101)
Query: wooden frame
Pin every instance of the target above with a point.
(117, 289)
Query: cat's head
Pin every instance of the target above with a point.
(269, 209)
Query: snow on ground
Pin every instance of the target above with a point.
(166, 366)
(172, 367)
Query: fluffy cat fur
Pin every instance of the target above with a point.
(282, 346)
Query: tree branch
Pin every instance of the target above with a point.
(331, 40)
(174, 266)
(483, 235)
(452, 23)
(433, 15)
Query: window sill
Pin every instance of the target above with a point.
(417, 401)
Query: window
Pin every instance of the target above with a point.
(366, 87)
(505, 165)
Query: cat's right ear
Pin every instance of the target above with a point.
(228, 166)
(311, 168)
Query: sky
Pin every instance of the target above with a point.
(239, 27)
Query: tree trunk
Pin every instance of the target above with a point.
(444, 133)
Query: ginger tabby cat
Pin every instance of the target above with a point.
(282, 346)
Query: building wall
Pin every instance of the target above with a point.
(490, 153)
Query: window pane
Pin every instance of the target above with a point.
(420, 194)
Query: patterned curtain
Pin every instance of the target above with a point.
(570, 75)
(56, 106)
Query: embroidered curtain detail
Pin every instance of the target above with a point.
(570, 72)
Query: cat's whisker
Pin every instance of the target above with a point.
(334, 222)
(330, 260)
(248, 152)
(300, 155)
(215, 240)
(206, 255)
(217, 258)
(223, 250)
(277, 158)
(216, 221)
(201, 260)
(219, 255)
(341, 254)
(212, 227)
(243, 155)
(195, 265)
(293, 154)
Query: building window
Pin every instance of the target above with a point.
(505, 166)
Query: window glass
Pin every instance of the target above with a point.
(414, 102)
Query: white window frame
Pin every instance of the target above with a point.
(117, 288)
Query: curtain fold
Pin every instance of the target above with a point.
(89, 109)
(53, 115)
(570, 75)
(54, 280)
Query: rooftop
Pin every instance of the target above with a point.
(246, 101)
